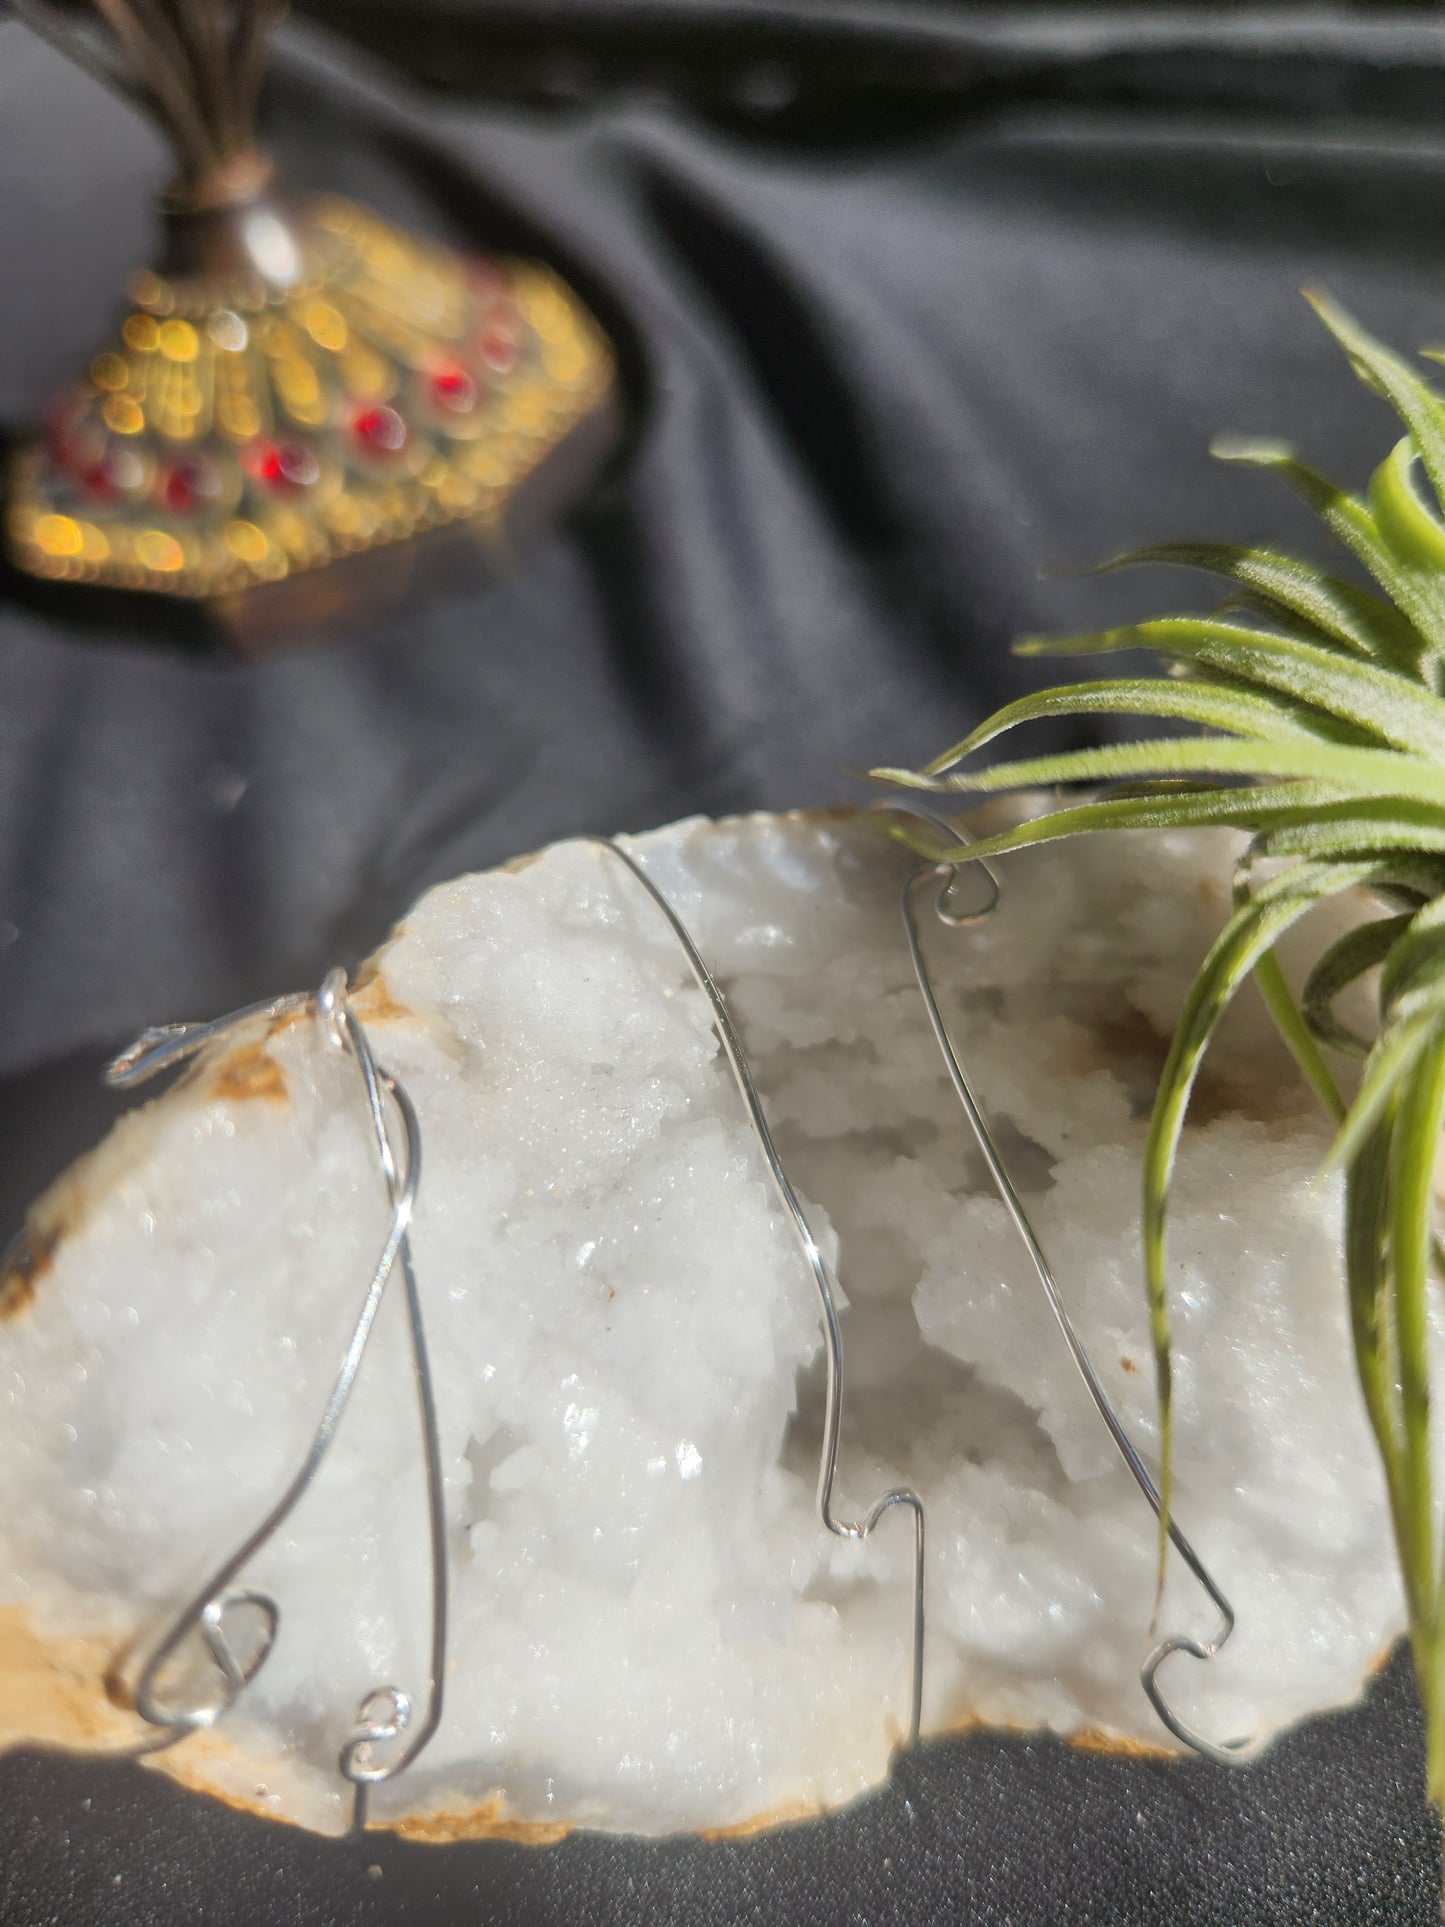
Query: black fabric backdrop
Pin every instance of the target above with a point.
(914, 301)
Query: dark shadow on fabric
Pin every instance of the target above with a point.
(1205, 183)
(109, 616)
(658, 689)
(435, 837)
(773, 334)
(52, 1115)
(830, 76)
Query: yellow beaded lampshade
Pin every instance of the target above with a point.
(298, 382)
(235, 432)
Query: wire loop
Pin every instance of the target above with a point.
(206, 1613)
(856, 1529)
(385, 1713)
(946, 871)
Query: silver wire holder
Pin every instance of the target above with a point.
(855, 1529)
(946, 873)
(385, 1713)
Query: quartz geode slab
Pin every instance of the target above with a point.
(649, 1629)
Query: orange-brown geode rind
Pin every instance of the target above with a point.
(58, 1691)
(235, 1071)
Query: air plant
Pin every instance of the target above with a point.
(1319, 728)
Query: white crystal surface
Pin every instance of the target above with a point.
(649, 1630)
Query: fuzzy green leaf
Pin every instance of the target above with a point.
(1361, 695)
(1384, 371)
(1237, 711)
(1415, 955)
(1412, 1197)
(1326, 605)
(1290, 1022)
(1252, 931)
(1416, 537)
(1344, 963)
(1366, 772)
(1391, 1058)
(1350, 521)
(1355, 835)
(1332, 826)
(1163, 809)
(1367, 1192)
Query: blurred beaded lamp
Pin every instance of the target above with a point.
(296, 382)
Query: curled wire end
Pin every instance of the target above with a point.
(1230, 1753)
(950, 868)
(235, 1670)
(385, 1712)
(1222, 1753)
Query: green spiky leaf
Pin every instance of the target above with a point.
(1295, 594)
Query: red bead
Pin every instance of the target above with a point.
(382, 429)
(74, 442)
(189, 484)
(97, 482)
(179, 492)
(263, 460)
(454, 389)
(75, 435)
(292, 465)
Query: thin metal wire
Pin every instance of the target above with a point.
(385, 1712)
(855, 1529)
(947, 872)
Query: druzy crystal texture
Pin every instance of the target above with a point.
(650, 1631)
